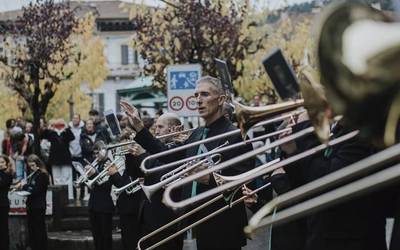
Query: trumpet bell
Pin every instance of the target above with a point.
(358, 51)
(247, 116)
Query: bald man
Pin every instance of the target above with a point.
(154, 213)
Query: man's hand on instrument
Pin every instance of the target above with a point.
(288, 147)
(136, 149)
(204, 179)
(250, 198)
(90, 170)
(112, 170)
(133, 115)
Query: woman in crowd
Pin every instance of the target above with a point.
(5, 182)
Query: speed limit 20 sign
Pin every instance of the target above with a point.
(181, 83)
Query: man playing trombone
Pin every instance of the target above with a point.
(224, 231)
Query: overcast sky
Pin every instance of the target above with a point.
(16, 4)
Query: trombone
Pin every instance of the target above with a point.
(129, 188)
(180, 204)
(102, 177)
(207, 140)
(341, 176)
(213, 214)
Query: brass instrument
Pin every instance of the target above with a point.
(209, 193)
(27, 179)
(341, 176)
(207, 140)
(184, 170)
(248, 116)
(223, 179)
(184, 216)
(357, 71)
(358, 68)
(102, 177)
(84, 177)
(129, 188)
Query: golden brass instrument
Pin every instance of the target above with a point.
(358, 68)
(248, 116)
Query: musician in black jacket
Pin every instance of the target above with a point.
(358, 224)
(101, 206)
(154, 213)
(5, 182)
(36, 185)
(224, 231)
(127, 204)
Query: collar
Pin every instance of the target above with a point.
(217, 123)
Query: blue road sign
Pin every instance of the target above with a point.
(183, 79)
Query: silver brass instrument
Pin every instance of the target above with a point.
(102, 177)
(191, 162)
(27, 179)
(129, 188)
(184, 170)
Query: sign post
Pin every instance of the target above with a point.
(181, 82)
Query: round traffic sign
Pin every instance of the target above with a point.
(191, 103)
(176, 103)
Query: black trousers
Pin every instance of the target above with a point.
(4, 233)
(129, 230)
(101, 224)
(37, 228)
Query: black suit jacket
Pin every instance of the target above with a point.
(100, 198)
(5, 183)
(358, 224)
(37, 186)
(226, 229)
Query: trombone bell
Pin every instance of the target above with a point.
(247, 116)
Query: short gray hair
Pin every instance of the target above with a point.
(214, 81)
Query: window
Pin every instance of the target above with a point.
(124, 55)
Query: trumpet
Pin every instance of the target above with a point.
(102, 177)
(183, 166)
(84, 174)
(184, 170)
(129, 188)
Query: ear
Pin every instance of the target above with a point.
(221, 100)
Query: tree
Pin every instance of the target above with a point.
(291, 34)
(91, 70)
(39, 51)
(191, 31)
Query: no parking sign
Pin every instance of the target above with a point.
(181, 82)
